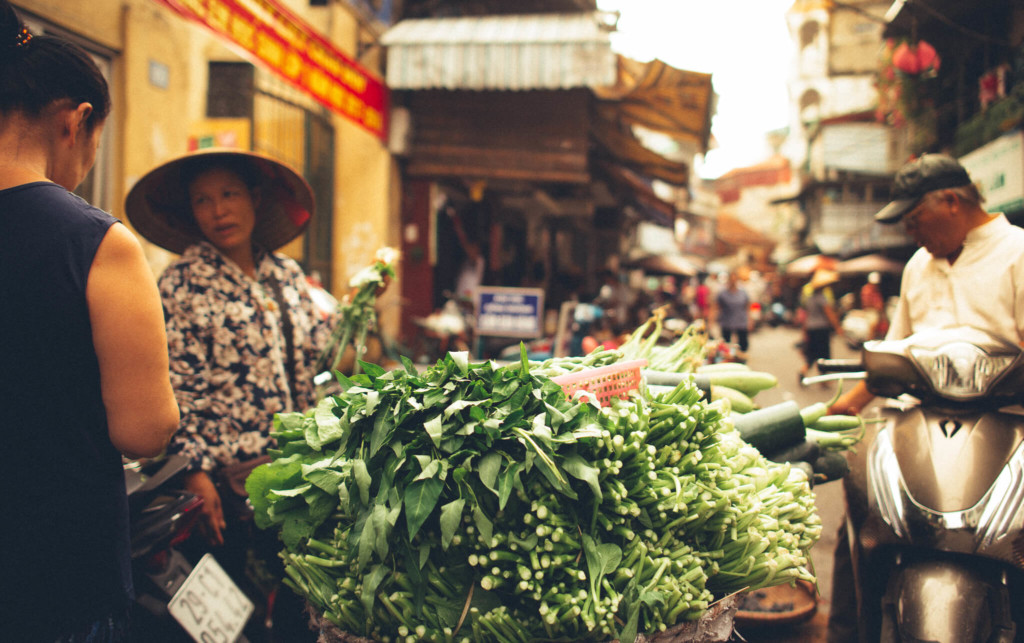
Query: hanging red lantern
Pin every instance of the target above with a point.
(927, 57)
(905, 60)
(915, 59)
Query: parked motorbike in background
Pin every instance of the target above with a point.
(176, 601)
(935, 496)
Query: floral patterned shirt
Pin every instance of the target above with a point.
(227, 352)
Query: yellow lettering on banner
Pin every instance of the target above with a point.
(280, 24)
(373, 119)
(316, 53)
(325, 58)
(353, 106)
(354, 79)
(329, 62)
(319, 83)
(242, 31)
(292, 65)
(219, 16)
(336, 97)
(197, 7)
(298, 37)
(269, 49)
(261, 8)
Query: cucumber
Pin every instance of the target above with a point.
(660, 381)
(831, 465)
(664, 378)
(722, 367)
(807, 451)
(813, 413)
(739, 402)
(772, 428)
(748, 382)
(832, 423)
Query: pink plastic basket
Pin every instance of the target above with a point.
(604, 383)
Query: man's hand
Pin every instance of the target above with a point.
(853, 401)
(212, 525)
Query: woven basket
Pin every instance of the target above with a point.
(714, 626)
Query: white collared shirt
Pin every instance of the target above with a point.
(983, 288)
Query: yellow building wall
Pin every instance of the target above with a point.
(366, 197)
(152, 124)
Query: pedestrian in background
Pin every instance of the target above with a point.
(873, 304)
(83, 354)
(820, 319)
(702, 298)
(734, 313)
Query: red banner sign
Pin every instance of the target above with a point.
(292, 49)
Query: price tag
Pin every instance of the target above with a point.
(209, 605)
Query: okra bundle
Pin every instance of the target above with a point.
(475, 502)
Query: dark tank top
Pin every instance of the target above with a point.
(64, 557)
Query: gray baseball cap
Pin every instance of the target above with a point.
(919, 177)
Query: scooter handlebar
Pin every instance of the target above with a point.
(839, 365)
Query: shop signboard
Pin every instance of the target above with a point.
(291, 48)
(997, 168)
(509, 312)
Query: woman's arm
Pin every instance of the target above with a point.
(131, 345)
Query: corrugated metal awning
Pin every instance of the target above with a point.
(505, 52)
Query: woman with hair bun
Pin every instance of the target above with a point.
(83, 354)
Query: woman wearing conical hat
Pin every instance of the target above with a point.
(820, 317)
(243, 331)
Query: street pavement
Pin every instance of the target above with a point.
(774, 350)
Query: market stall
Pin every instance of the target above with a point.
(573, 499)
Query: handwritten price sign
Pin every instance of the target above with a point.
(209, 605)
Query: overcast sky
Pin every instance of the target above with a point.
(743, 44)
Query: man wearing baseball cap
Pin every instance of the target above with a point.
(968, 271)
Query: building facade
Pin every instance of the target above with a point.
(201, 73)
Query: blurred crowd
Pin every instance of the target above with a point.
(732, 305)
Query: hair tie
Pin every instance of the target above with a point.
(23, 37)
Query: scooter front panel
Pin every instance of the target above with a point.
(948, 463)
(986, 513)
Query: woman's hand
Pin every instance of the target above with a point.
(212, 525)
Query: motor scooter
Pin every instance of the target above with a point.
(935, 494)
(176, 601)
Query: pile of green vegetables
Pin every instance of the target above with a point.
(806, 438)
(475, 502)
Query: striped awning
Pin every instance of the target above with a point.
(503, 52)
